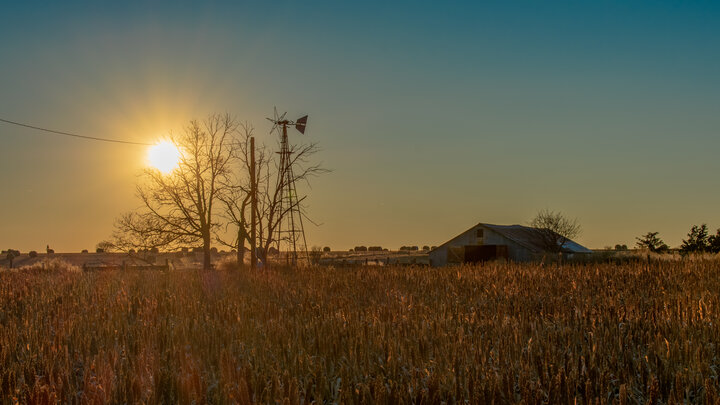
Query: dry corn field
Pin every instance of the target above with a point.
(495, 333)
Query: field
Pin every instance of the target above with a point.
(496, 333)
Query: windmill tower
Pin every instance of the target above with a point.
(290, 234)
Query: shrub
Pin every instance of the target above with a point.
(652, 242)
(326, 249)
(105, 246)
(714, 242)
(12, 252)
(697, 241)
(32, 253)
(315, 254)
(227, 263)
(50, 265)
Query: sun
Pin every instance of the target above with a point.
(164, 156)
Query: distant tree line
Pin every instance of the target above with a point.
(698, 240)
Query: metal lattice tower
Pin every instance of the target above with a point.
(290, 231)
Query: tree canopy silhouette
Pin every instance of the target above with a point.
(652, 242)
(178, 208)
(556, 229)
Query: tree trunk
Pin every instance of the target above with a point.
(206, 252)
(262, 256)
(241, 249)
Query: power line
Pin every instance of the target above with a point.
(92, 138)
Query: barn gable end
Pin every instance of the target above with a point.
(487, 241)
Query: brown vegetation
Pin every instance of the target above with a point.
(635, 333)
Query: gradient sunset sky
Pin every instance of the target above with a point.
(433, 116)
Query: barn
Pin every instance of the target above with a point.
(489, 242)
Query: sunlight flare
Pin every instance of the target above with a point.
(164, 156)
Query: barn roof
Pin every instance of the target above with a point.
(528, 237)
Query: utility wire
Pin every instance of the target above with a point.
(93, 138)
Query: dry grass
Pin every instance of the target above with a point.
(52, 265)
(636, 333)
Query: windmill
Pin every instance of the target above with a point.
(290, 231)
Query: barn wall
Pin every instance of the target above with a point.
(438, 257)
(516, 252)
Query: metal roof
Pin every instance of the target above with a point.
(526, 236)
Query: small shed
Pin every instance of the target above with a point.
(490, 242)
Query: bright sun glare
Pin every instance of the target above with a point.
(164, 156)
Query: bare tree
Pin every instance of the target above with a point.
(555, 229)
(237, 206)
(104, 246)
(143, 231)
(271, 180)
(237, 200)
(178, 208)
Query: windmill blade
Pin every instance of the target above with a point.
(274, 124)
(276, 119)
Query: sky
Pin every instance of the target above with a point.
(432, 116)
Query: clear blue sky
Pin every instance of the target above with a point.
(432, 115)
